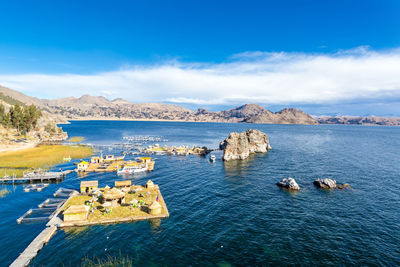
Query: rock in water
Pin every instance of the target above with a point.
(240, 146)
(325, 183)
(289, 183)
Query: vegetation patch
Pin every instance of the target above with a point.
(4, 192)
(119, 261)
(76, 139)
(45, 156)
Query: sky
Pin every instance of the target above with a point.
(325, 57)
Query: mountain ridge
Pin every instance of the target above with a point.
(89, 107)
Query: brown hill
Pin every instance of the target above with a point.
(98, 107)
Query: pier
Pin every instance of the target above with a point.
(36, 177)
(44, 237)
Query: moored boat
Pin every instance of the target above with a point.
(131, 169)
(212, 158)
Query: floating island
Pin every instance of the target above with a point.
(123, 203)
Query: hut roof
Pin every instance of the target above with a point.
(149, 182)
(123, 183)
(113, 194)
(155, 205)
(75, 209)
(90, 183)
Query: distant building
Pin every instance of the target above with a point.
(82, 166)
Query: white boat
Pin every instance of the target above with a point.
(212, 158)
(131, 170)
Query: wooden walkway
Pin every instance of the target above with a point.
(32, 250)
(43, 238)
(38, 177)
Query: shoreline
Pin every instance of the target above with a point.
(162, 120)
(16, 147)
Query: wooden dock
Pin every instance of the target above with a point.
(37, 177)
(32, 250)
(43, 238)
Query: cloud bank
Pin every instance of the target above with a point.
(281, 78)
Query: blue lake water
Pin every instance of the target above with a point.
(224, 214)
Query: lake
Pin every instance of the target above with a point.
(230, 214)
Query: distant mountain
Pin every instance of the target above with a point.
(370, 120)
(89, 107)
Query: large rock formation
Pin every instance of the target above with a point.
(240, 146)
(325, 183)
(289, 183)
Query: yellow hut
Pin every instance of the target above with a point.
(82, 166)
(145, 159)
(149, 184)
(89, 186)
(123, 184)
(155, 208)
(75, 213)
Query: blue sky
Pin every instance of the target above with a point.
(89, 45)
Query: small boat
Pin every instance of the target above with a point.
(131, 170)
(212, 158)
(68, 159)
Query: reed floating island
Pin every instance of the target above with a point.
(111, 163)
(174, 150)
(122, 203)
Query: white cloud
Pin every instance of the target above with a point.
(261, 77)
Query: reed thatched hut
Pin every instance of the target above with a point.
(123, 184)
(114, 197)
(150, 184)
(155, 208)
(75, 213)
(88, 186)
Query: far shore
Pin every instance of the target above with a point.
(161, 120)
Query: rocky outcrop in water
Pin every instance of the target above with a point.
(240, 146)
(326, 183)
(289, 183)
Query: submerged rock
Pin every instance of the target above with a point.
(240, 146)
(325, 183)
(289, 183)
(343, 186)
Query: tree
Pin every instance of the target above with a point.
(31, 115)
(2, 115)
(16, 116)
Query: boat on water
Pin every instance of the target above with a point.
(68, 159)
(213, 158)
(132, 169)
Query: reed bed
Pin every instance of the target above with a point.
(4, 192)
(10, 172)
(76, 139)
(118, 261)
(45, 156)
